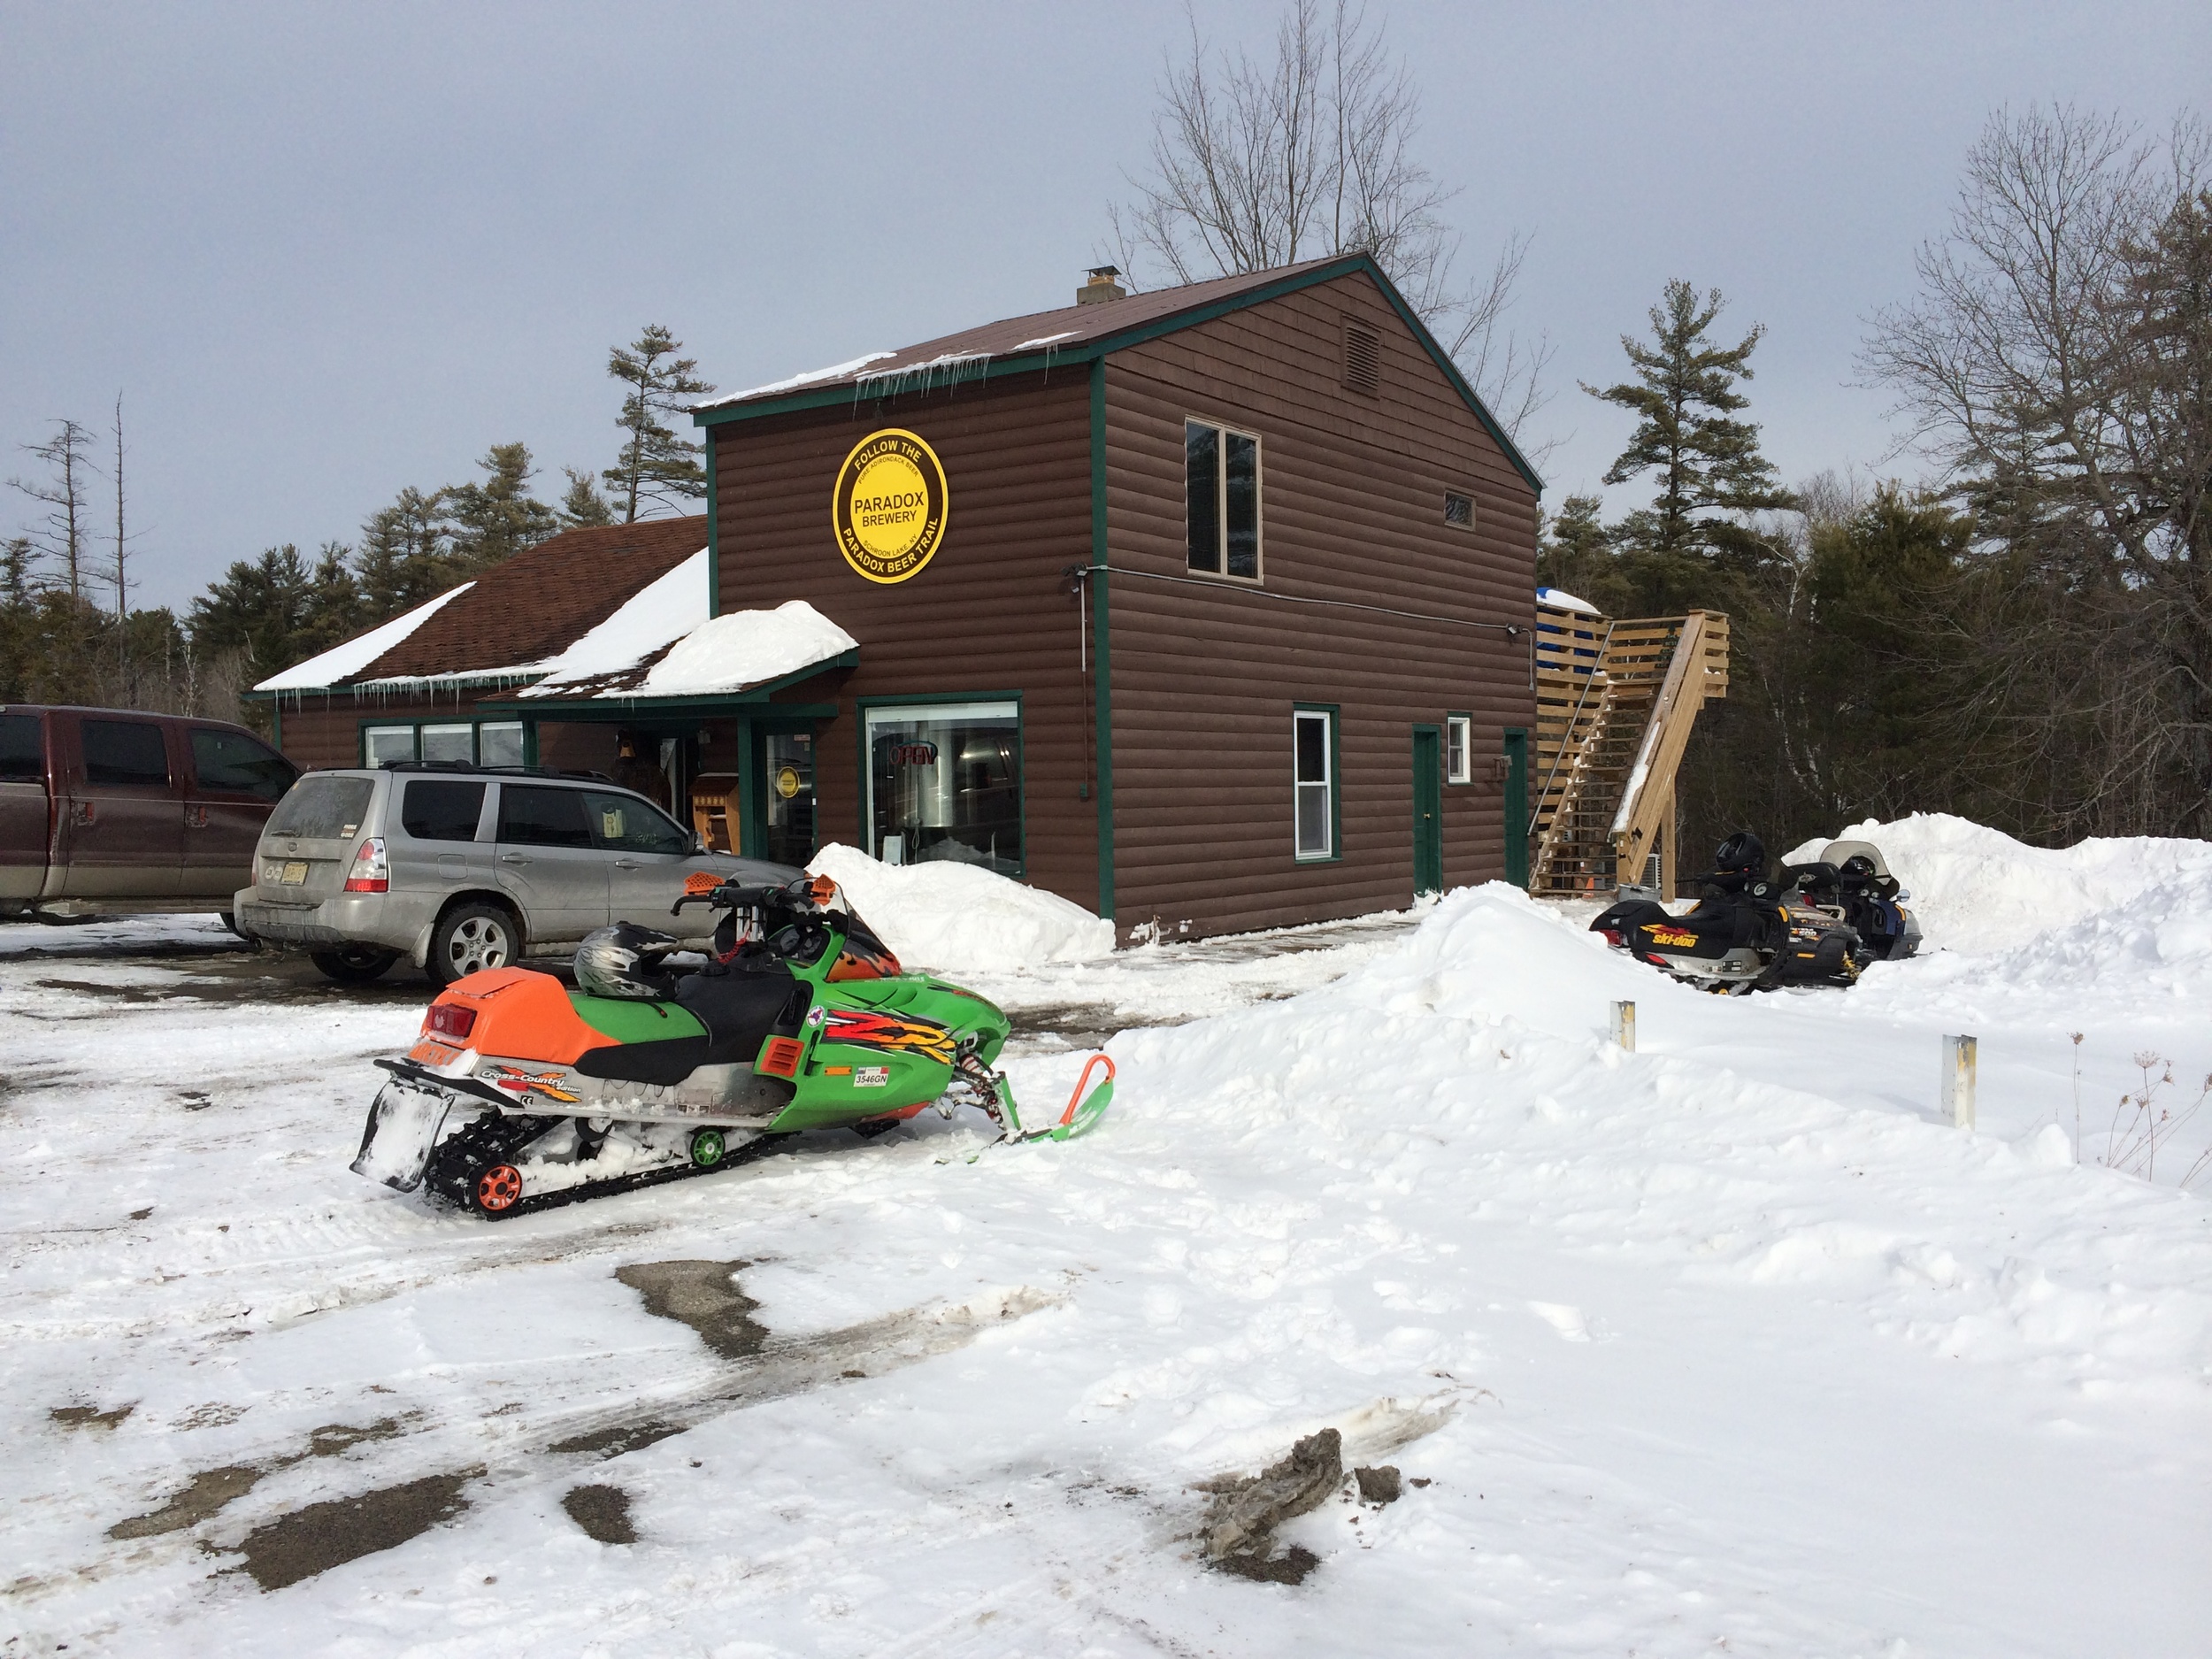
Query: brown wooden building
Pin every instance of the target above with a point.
(1181, 530)
(1209, 608)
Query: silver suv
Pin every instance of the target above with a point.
(459, 869)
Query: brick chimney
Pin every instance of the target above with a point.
(1102, 287)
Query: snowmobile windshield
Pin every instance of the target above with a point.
(1838, 853)
(322, 807)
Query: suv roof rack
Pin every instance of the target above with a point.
(469, 766)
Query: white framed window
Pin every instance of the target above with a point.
(443, 743)
(1459, 748)
(382, 743)
(1221, 499)
(499, 744)
(1313, 782)
(448, 742)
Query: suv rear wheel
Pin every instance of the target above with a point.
(354, 964)
(471, 938)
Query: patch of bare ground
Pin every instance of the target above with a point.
(603, 1512)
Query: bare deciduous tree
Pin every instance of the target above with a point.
(63, 529)
(2059, 362)
(1256, 165)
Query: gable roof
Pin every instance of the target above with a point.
(1076, 334)
(513, 620)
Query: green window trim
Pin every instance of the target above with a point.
(1335, 855)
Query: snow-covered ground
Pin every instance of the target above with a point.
(1726, 1345)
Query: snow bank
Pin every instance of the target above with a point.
(956, 918)
(1978, 890)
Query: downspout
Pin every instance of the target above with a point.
(1101, 697)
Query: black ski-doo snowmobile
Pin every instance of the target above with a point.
(1749, 932)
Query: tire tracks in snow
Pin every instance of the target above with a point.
(298, 1543)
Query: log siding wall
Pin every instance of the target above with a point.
(992, 614)
(1204, 678)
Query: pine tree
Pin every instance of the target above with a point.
(497, 518)
(583, 506)
(259, 607)
(332, 612)
(1706, 461)
(406, 554)
(654, 466)
(1577, 554)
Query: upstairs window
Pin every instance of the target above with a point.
(1459, 510)
(1221, 475)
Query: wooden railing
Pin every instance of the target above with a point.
(1615, 703)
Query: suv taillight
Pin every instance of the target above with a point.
(370, 873)
(449, 1019)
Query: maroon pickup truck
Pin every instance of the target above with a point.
(108, 812)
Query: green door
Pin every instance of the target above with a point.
(1428, 810)
(1516, 805)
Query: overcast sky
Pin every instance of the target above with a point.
(327, 251)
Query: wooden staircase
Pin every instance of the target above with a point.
(1616, 702)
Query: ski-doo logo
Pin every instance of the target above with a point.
(1670, 936)
(889, 505)
(890, 1034)
(515, 1080)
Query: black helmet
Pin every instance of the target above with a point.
(1858, 864)
(624, 960)
(1743, 851)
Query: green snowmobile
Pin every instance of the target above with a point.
(520, 1093)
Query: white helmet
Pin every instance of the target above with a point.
(625, 960)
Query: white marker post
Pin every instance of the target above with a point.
(1958, 1082)
(1624, 1025)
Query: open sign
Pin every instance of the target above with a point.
(916, 754)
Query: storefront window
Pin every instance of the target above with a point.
(944, 783)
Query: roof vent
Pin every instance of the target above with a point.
(1102, 287)
(1362, 359)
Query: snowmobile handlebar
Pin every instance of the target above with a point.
(805, 895)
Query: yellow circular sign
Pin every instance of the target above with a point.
(890, 506)
(788, 782)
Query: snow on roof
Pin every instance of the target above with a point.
(1564, 601)
(1046, 340)
(806, 377)
(340, 662)
(747, 647)
(651, 620)
(728, 653)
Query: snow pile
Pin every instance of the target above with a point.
(747, 647)
(340, 662)
(663, 610)
(956, 918)
(1979, 891)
